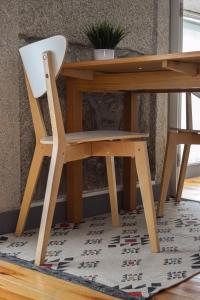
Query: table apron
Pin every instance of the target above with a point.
(164, 81)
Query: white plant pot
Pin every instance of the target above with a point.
(103, 54)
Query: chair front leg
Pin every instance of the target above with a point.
(29, 189)
(55, 170)
(110, 166)
(170, 155)
(144, 177)
(183, 170)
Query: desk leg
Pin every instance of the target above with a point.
(129, 168)
(74, 169)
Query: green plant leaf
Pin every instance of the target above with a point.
(104, 35)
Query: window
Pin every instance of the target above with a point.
(191, 42)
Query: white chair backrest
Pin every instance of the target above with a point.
(33, 63)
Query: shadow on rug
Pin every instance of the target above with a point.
(117, 261)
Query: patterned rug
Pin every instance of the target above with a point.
(119, 261)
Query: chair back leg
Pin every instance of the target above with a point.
(186, 152)
(183, 170)
(144, 177)
(110, 166)
(170, 156)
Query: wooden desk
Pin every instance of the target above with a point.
(156, 73)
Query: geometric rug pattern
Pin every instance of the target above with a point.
(120, 258)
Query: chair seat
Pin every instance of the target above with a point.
(94, 136)
(177, 130)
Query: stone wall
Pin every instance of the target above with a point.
(27, 20)
(9, 107)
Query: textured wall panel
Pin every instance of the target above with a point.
(9, 107)
(146, 22)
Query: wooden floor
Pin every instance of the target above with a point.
(191, 189)
(188, 290)
(17, 283)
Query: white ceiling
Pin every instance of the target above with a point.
(193, 5)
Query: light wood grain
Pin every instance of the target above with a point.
(38, 156)
(74, 152)
(187, 290)
(18, 283)
(130, 116)
(144, 177)
(110, 166)
(195, 182)
(170, 155)
(53, 182)
(186, 152)
(78, 74)
(134, 64)
(191, 189)
(57, 160)
(182, 67)
(74, 169)
(174, 139)
(187, 137)
(96, 135)
(70, 147)
(114, 148)
(37, 118)
(154, 81)
(142, 73)
(170, 296)
(29, 189)
(183, 170)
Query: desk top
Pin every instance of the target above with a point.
(187, 62)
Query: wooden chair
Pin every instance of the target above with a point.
(175, 137)
(42, 61)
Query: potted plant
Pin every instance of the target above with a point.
(104, 37)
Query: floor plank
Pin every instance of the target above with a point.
(17, 282)
(191, 189)
(187, 290)
(169, 296)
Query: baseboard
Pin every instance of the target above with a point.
(94, 204)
